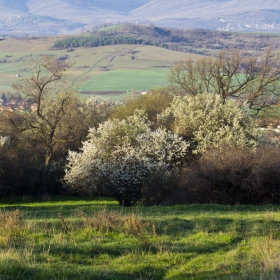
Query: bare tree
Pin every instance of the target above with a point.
(253, 80)
(59, 116)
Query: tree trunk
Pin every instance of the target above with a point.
(45, 175)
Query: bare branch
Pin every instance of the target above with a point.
(232, 74)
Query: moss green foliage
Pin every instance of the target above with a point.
(153, 104)
(95, 239)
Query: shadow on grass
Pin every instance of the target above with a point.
(66, 271)
(65, 210)
(225, 273)
(214, 274)
(183, 226)
(190, 209)
(87, 255)
(212, 224)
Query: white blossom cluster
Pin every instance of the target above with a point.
(120, 157)
(207, 122)
(93, 101)
(4, 140)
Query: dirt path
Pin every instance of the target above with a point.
(97, 63)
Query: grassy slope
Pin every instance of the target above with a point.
(147, 70)
(123, 80)
(19, 54)
(178, 242)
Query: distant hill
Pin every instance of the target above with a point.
(70, 16)
(196, 41)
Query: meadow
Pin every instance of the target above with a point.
(84, 238)
(101, 69)
(80, 238)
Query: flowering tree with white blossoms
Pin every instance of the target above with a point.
(207, 122)
(121, 157)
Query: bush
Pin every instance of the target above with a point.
(234, 176)
(207, 122)
(21, 163)
(153, 103)
(107, 221)
(20, 168)
(12, 229)
(161, 190)
(121, 158)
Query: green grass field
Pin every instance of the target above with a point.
(123, 80)
(108, 68)
(97, 239)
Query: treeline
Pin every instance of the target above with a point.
(190, 40)
(180, 144)
(92, 41)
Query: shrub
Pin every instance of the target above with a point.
(12, 232)
(207, 122)
(153, 103)
(21, 168)
(105, 221)
(161, 190)
(234, 176)
(122, 157)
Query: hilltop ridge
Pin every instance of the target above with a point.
(70, 16)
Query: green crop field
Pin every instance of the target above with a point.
(107, 68)
(74, 238)
(123, 80)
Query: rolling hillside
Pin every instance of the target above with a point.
(66, 16)
(202, 8)
(106, 70)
